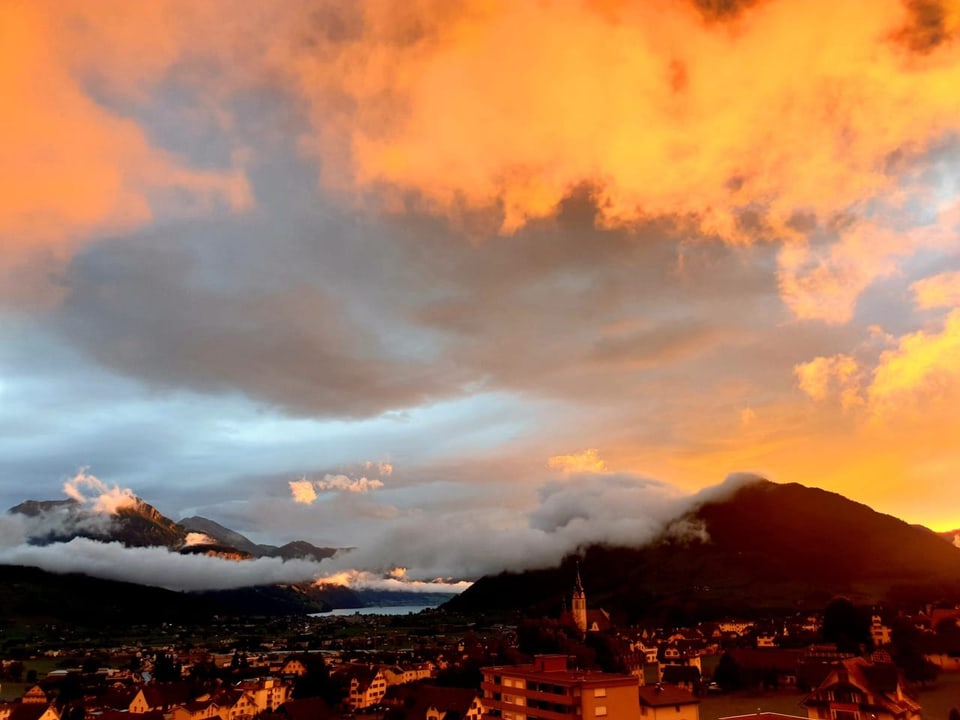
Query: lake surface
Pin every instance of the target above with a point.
(386, 610)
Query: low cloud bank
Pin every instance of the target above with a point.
(156, 566)
(571, 514)
(440, 553)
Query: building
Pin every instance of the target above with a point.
(28, 711)
(443, 703)
(548, 690)
(367, 685)
(857, 689)
(578, 604)
(668, 702)
(879, 633)
(268, 693)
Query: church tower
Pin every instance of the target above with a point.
(578, 605)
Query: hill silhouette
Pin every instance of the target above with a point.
(770, 547)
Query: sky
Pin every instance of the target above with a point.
(465, 284)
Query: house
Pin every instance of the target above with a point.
(407, 673)
(203, 708)
(857, 689)
(549, 688)
(445, 703)
(668, 702)
(159, 696)
(682, 676)
(28, 711)
(268, 693)
(598, 620)
(35, 696)
(367, 685)
(233, 704)
(293, 667)
(879, 633)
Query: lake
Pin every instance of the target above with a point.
(386, 610)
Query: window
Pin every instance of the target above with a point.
(600, 692)
(508, 682)
(600, 711)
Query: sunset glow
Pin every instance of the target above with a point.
(528, 256)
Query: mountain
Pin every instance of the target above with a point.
(30, 595)
(221, 534)
(136, 525)
(231, 538)
(770, 547)
(142, 525)
(952, 537)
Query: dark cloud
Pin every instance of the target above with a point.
(927, 28)
(724, 9)
(142, 309)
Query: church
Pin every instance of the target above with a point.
(586, 620)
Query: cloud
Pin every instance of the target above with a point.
(109, 498)
(305, 491)
(395, 581)
(73, 168)
(586, 461)
(197, 538)
(923, 371)
(643, 89)
(938, 291)
(342, 483)
(822, 376)
(617, 509)
(156, 566)
(415, 551)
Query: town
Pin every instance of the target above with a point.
(846, 663)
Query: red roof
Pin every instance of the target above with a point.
(662, 695)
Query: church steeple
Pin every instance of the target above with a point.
(578, 604)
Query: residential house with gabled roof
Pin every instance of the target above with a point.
(35, 696)
(367, 685)
(203, 708)
(668, 702)
(683, 676)
(268, 693)
(407, 673)
(28, 711)
(857, 689)
(159, 696)
(445, 703)
(233, 704)
(293, 667)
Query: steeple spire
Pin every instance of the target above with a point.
(578, 603)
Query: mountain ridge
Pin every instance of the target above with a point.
(770, 546)
(140, 524)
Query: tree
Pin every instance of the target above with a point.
(727, 675)
(847, 625)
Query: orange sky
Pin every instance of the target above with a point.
(373, 211)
